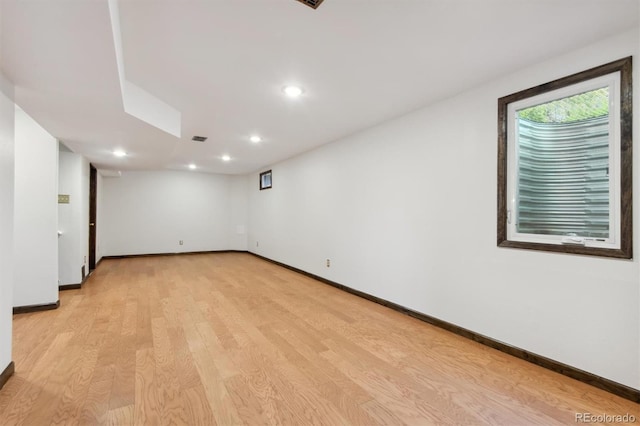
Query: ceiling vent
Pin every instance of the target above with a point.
(311, 3)
(199, 138)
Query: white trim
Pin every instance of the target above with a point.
(612, 81)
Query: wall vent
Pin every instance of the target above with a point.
(199, 138)
(311, 3)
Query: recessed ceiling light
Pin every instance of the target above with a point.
(192, 166)
(255, 139)
(292, 91)
(226, 158)
(119, 153)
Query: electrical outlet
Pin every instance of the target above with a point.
(328, 263)
(181, 242)
(257, 244)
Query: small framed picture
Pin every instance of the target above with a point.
(265, 180)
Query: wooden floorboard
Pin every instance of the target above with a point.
(228, 338)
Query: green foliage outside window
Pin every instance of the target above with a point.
(573, 108)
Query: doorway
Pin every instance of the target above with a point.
(93, 187)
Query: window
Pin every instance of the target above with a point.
(564, 164)
(265, 180)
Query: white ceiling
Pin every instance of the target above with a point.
(223, 63)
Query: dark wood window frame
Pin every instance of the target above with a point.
(263, 183)
(626, 123)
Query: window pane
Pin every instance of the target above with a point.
(563, 163)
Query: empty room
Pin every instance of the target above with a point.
(340, 212)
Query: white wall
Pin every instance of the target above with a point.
(238, 212)
(406, 211)
(85, 170)
(73, 218)
(36, 214)
(150, 212)
(6, 218)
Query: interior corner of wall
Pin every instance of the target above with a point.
(6, 87)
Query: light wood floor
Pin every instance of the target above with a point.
(231, 339)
